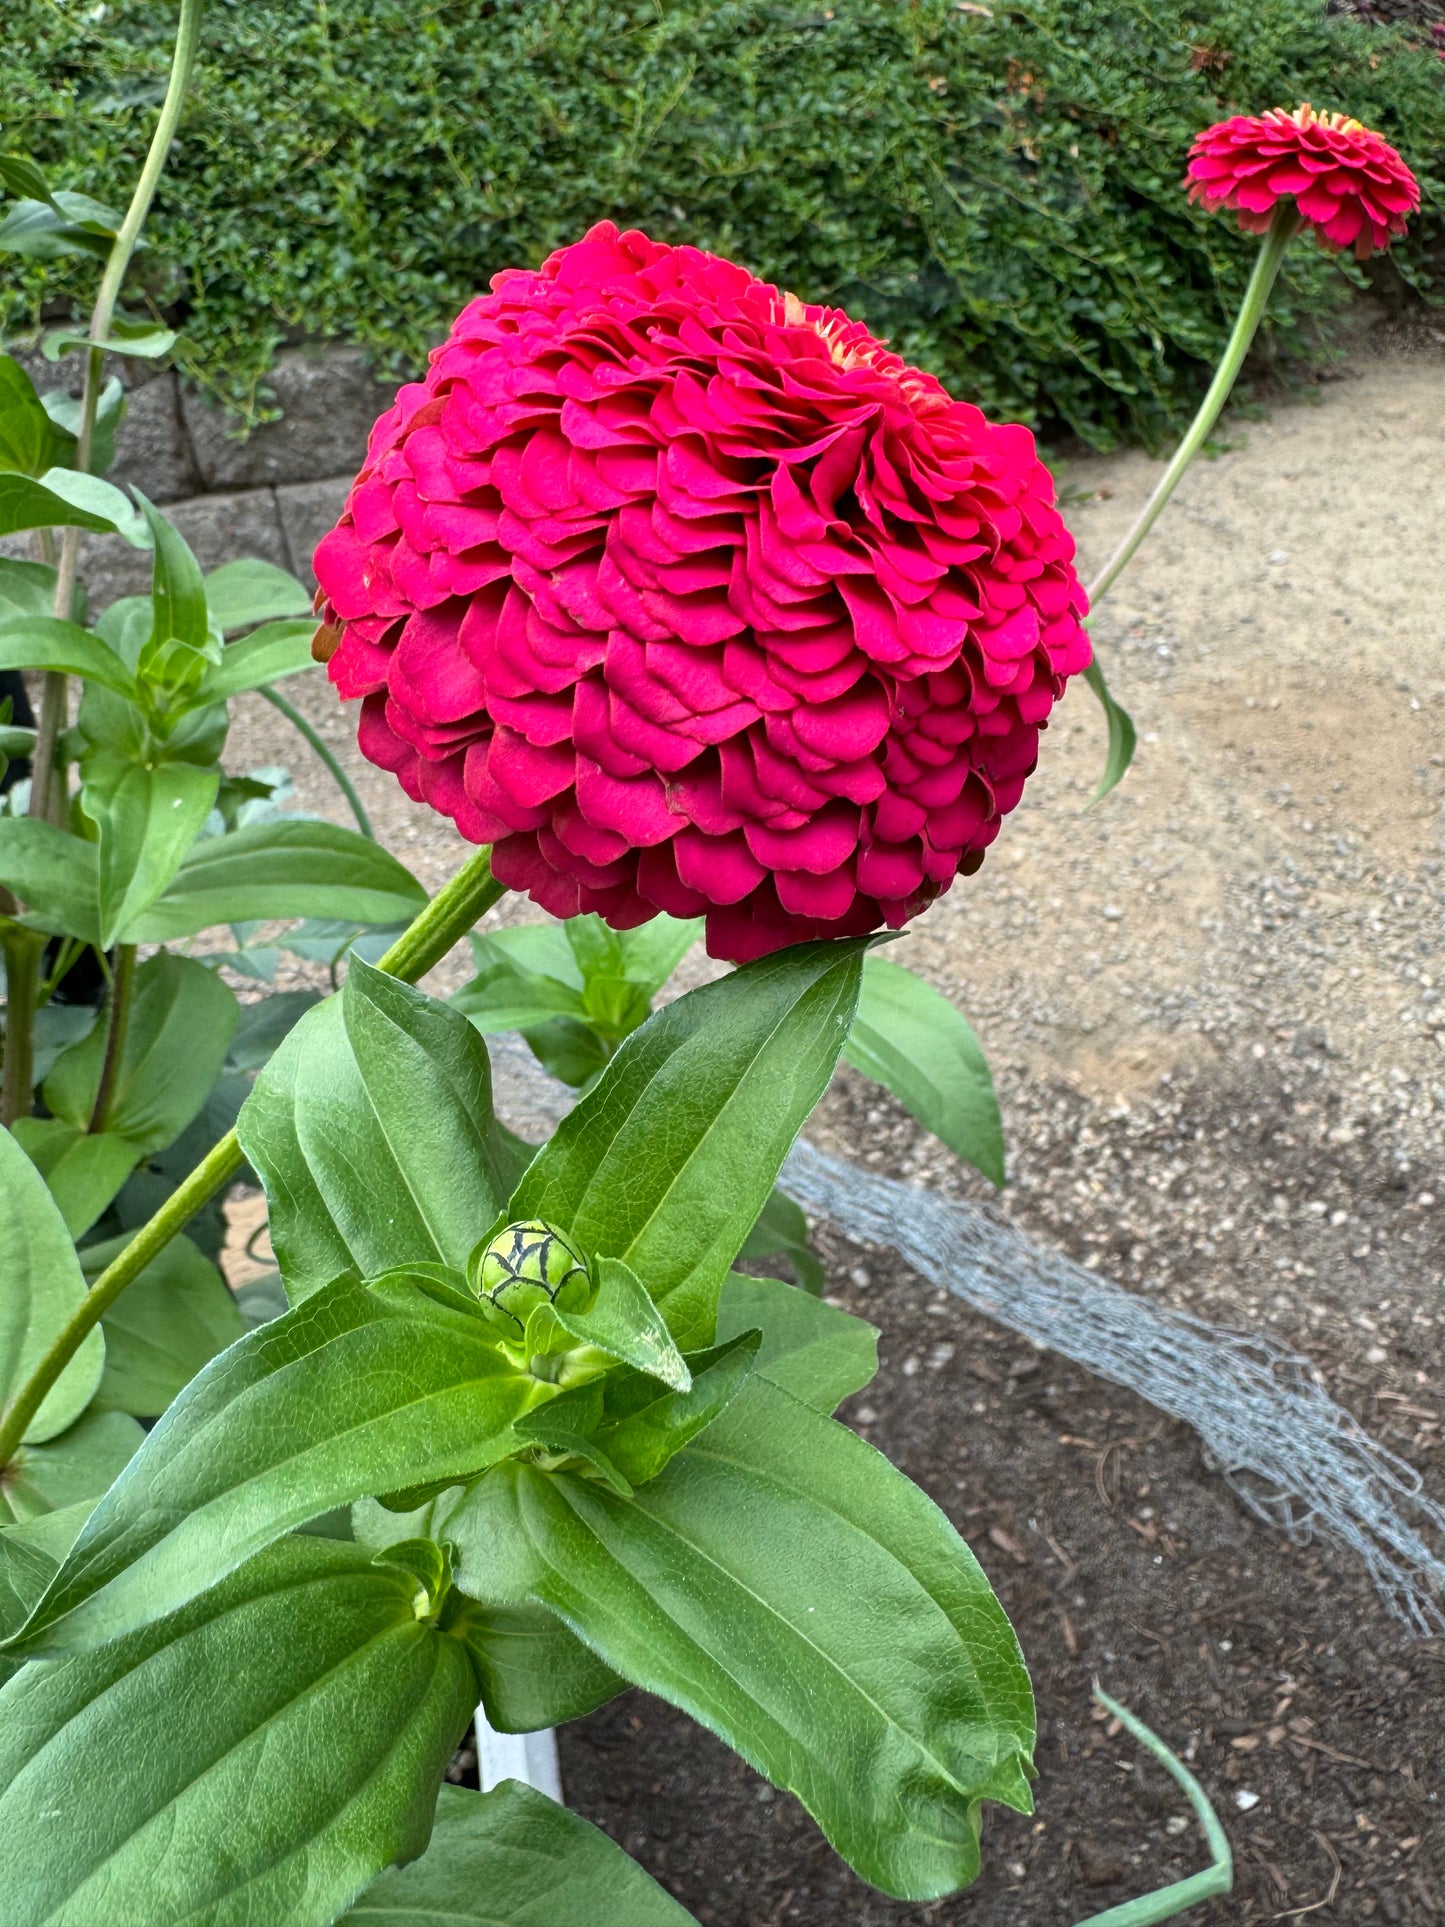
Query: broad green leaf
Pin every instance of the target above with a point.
(240, 593)
(91, 496)
(266, 655)
(173, 1319)
(265, 1025)
(652, 951)
(110, 412)
(504, 998)
(668, 1160)
(25, 1572)
(533, 1671)
(70, 1470)
(45, 642)
(134, 335)
(514, 1858)
(30, 442)
(782, 1230)
(564, 1426)
(53, 874)
(57, 1027)
(359, 1389)
(818, 1352)
(908, 1037)
(82, 1170)
(621, 1321)
(570, 1049)
(1123, 738)
(28, 504)
(181, 1020)
(539, 949)
(643, 1429)
(372, 1130)
(257, 1758)
(147, 818)
(789, 1588)
(22, 180)
(26, 589)
(41, 1288)
(281, 869)
(47, 229)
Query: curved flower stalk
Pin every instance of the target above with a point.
(694, 598)
(1281, 173)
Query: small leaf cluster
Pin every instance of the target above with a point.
(996, 189)
(638, 1482)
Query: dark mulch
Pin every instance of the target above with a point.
(1118, 1554)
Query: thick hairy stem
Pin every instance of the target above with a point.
(23, 950)
(122, 985)
(1282, 231)
(42, 782)
(447, 918)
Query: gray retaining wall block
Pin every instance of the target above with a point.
(329, 399)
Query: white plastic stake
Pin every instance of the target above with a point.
(529, 1757)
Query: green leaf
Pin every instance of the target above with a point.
(26, 589)
(1122, 735)
(45, 642)
(71, 1470)
(30, 442)
(565, 1425)
(181, 1020)
(134, 335)
(22, 180)
(667, 1162)
(642, 1431)
(652, 951)
(110, 411)
(533, 1672)
(147, 818)
(265, 656)
(782, 1231)
(819, 1353)
(502, 997)
(53, 873)
(173, 1319)
(51, 226)
(282, 869)
(908, 1037)
(82, 1170)
(240, 593)
(265, 1025)
(25, 1572)
(359, 1389)
(568, 1048)
(792, 1591)
(176, 654)
(621, 1321)
(514, 1858)
(537, 949)
(372, 1131)
(28, 504)
(319, 1714)
(90, 496)
(40, 1290)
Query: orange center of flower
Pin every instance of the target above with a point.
(1305, 116)
(833, 327)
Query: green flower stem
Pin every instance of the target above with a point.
(53, 705)
(122, 985)
(23, 950)
(343, 782)
(447, 918)
(1217, 1878)
(1282, 231)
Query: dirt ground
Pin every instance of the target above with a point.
(1215, 1009)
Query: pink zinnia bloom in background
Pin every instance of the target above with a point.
(689, 597)
(1349, 185)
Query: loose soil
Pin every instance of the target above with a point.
(1215, 1009)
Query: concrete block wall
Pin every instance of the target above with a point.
(272, 495)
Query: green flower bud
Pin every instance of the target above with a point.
(527, 1265)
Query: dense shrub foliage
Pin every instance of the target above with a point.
(996, 191)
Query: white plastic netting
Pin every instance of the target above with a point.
(1296, 1459)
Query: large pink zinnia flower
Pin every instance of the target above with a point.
(688, 597)
(1350, 186)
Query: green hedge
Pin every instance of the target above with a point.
(997, 192)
